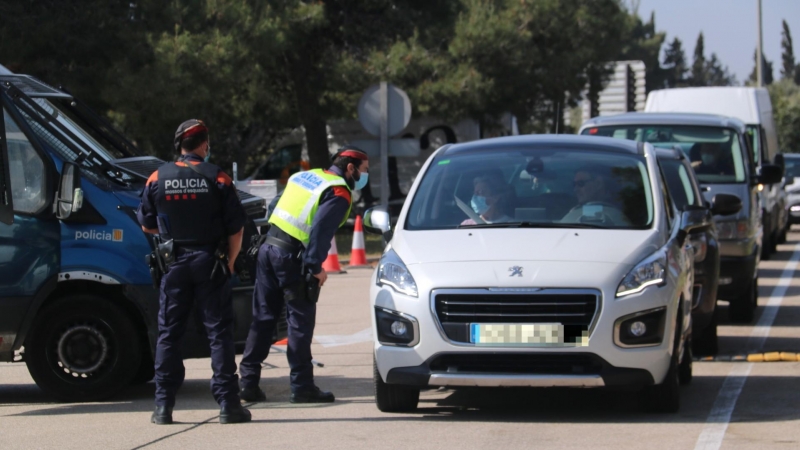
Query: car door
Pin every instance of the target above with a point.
(29, 234)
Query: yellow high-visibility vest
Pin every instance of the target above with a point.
(299, 202)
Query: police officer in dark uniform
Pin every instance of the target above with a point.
(193, 203)
(310, 210)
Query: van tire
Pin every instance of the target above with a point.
(79, 349)
(707, 342)
(393, 397)
(742, 308)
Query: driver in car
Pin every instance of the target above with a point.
(593, 190)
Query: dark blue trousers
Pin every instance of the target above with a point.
(278, 269)
(188, 283)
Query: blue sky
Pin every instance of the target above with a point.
(729, 28)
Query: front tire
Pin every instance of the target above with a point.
(393, 397)
(79, 349)
(742, 308)
(707, 342)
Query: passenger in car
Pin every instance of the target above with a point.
(595, 194)
(491, 198)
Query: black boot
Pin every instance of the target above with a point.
(234, 413)
(162, 415)
(253, 394)
(315, 395)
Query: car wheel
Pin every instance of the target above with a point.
(666, 397)
(393, 397)
(766, 246)
(79, 349)
(773, 242)
(782, 235)
(742, 308)
(685, 368)
(706, 342)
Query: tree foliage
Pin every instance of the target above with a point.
(785, 97)
(766, 68)
(789, 68)
(708, 71)
(675, 64)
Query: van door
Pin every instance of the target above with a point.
(29, 234)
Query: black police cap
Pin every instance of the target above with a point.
(186, 129)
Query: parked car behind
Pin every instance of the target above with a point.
(719, 154)
(792, 176)
(534, 261)
(753, 107)
(684, 189)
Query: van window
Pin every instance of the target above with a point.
(26, 168)
(715, 153)
(533, 187)
(755, 137)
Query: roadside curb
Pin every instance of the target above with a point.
(754, 357)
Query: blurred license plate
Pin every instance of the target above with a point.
(516, 333)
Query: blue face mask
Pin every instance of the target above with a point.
(208, 153)
(362, 181)
(479, 204)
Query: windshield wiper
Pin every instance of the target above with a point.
(533, 225)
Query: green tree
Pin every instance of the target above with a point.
(787, 55)
(785, 97)
(675, 64)
(708, 72)
(766, 67)
(698, 75)
(642, 42)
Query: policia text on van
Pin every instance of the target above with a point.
(77, 302)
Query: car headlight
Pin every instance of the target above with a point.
(651, 271)
(733, 230)
(392, 272)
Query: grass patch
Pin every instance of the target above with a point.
(373, 244)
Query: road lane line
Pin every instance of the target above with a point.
(720, 416)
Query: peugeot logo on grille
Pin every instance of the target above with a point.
(516, 271)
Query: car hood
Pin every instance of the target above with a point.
(526, 244)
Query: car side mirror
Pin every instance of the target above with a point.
(770, 174)
(70, 195)
(378, 221)
(725, 205)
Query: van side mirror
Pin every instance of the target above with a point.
(725, 205)
(770, 174)
(378, 221)
(70, 195)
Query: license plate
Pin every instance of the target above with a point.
(516, 333)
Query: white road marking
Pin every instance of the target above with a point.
(720, 416)
(334, 340)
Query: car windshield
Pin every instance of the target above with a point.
(533, 187)
(715, 152)
(792, 168)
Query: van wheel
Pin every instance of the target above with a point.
(79, 349)
(146, 371)
(742, 308)
(766, 246)
(706, 343)
(393, 397)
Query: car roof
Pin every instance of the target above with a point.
(644, 118)
(565, 141)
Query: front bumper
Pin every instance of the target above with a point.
(528, 370)
(613, 364)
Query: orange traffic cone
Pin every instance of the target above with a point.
(358, 255)
(331, 264)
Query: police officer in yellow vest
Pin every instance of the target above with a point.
(313, 206)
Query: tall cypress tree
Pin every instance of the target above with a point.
(675, 64)
(789, 69)
(698, 77)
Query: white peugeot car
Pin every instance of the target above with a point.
(541, 261)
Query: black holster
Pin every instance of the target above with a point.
(156, 261)
(221, 261)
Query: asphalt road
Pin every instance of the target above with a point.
(728, 405)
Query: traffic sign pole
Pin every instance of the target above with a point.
(384, 143)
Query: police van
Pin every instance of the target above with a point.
(77, 302)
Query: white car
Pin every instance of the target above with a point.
(540, 261)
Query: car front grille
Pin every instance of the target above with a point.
(575, 309)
